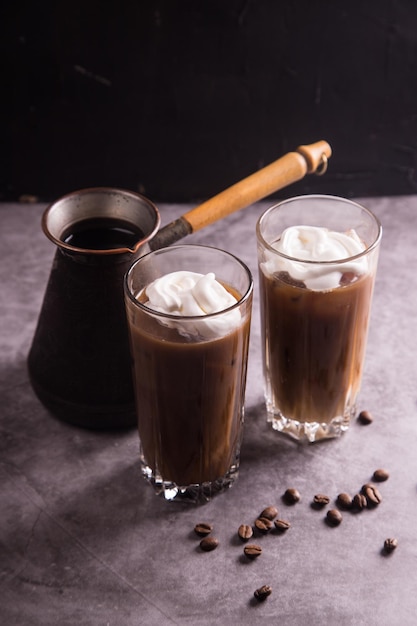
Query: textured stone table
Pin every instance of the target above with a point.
(83, 539)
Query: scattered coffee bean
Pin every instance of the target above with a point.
(344, 501)
(365, 418)
(269, 513)
(262, 593)
(372, 495)
(380, 475)
(390, 544)
(208, 544)
(334, 517)
(263, 524)
(291, 496)
(245, 532)
(359, 502)
(203, 529)
(282, 525)
(252, 550)
(320, 500)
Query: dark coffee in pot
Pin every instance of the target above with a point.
(103, 233)
(79, 362)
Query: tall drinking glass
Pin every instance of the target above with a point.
(317, 258)
(189, 369)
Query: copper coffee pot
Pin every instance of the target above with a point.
(79, 362)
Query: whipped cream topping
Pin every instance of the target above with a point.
(189, 294)
(318, 246)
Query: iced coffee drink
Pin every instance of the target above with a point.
(188, 311)
(317, 263)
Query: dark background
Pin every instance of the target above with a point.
(180, 99)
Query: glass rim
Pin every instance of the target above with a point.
(340, 199)
(193, 318)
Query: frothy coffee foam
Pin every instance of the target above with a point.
(190, 294)
(320, 245)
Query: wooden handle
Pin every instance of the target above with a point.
(288, 169)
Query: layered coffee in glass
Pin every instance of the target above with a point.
(317, 263)
(189, 310)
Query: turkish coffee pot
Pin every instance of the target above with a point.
(79, 362)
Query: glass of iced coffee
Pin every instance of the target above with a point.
(317, 258)
(189, 310)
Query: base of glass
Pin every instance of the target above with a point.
(310, 432)
(195, 493)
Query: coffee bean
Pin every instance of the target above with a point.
(359, 502)
(390, 544)
(269, 513)
(320, 500)
(334, 517)
(263, 524)
(245, 532)
(282, 525)
(344, 501)
(347, 278)
(372, 495)
(252, 550)
(287, 278)
(291, 496)
(262, 593)
(208, 544)
(203, 529)
(380, 475)
(365, 418)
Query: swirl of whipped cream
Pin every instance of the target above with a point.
(318, 246)
(189, 294)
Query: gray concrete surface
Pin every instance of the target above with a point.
(84, 540)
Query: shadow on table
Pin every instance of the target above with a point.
(261, 443)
